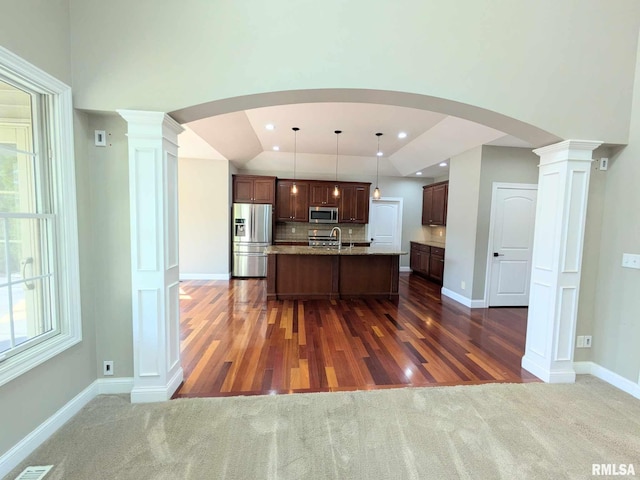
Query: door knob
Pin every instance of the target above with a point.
(496, 254)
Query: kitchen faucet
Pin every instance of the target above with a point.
(339, 236)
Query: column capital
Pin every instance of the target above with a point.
(143, 120)
(567, 150)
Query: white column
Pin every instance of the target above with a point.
(153, 190)
(563, 187)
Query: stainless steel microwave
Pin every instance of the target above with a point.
(323, 214)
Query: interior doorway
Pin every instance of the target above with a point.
(385, 222)
(513, 213)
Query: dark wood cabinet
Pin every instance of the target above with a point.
(434, 203)
(254, 189)
(436, 264)
(427, 261)
(321, 194)
(354, 203)
(292, 207)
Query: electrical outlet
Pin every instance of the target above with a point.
(463, 285)
(630, 260)
(293, 229)
(350, 231)
(107, 367)
(587, 341)
(580, 341)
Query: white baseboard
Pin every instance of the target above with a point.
(205, 276)
(608, 376)
(563, 372)
(456, 296)
(478, 304)
(467, 302)
(21, 450)
(405, 269)
(160, 393)
(12, 458)
(114, 386)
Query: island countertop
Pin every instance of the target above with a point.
(307, 250)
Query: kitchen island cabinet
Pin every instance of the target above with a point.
(299, 272)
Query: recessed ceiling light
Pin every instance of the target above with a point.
(380, 154)
(443, 164)
(276, 148)
(418, 173)
(402, 135)
(270, 126)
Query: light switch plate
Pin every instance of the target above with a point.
(630, 260)
(604, 163)
(100, 137)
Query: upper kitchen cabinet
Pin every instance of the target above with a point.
(434, 203)
(321, 194)
(254, 189)
(292, 207)
(354, 203)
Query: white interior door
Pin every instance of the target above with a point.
(513, 213)
(385, 222)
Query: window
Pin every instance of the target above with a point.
(39, 285)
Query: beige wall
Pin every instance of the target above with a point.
(591, 253)
(439, 49)
(204, 207)
(499, 164)
(38, 31)
(23, 405)
(462, 220)
(110, 236)
(616, 325)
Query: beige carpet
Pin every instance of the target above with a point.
(499, 431)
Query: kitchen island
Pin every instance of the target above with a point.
(303, 272)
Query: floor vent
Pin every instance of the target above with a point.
(34, 473)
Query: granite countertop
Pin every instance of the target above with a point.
(429, 243)
(306, 250)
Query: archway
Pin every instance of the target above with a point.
(152, 157)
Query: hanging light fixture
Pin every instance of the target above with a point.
(336, 190)
(376, 192)
(294, 187)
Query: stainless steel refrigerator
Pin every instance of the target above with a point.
(252, 229)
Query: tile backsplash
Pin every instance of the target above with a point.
(284, 231)
(435, 234)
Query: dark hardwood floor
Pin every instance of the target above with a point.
(234, 342)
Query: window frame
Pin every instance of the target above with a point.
(61, 162)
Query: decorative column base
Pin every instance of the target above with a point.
(563, 188)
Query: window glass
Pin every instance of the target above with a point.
(27, 276)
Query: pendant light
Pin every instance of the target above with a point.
(336, 190)
(294, 187)
(376, 192)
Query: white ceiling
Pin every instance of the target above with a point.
(432, 138)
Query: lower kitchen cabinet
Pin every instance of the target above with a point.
(436, 264)
(427, 261)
